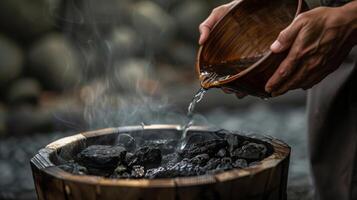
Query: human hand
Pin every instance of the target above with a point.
(206, 27)
(216, 14)
(317, 41)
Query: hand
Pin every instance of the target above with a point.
(205, 29)
(317, 41)
(216, 14)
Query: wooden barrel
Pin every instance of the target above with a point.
(267, 180)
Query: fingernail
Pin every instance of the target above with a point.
(268, 88)
(276, 46)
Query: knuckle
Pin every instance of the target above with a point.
(282, 36)
(215, 10)
(302, 16)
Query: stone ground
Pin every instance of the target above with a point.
(287, 124)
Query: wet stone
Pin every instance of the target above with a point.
(200, 159)
(251, 151)
(146, 156)
(137, 158)
(101, 156)
(74, 168)
(170, 159)
(210, 147)
(165, 146)
(120, 170)
(240, 163)
(159, 172)
(221, 153)
(212, 164)
(138, 171)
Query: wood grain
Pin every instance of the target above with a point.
(239, 45)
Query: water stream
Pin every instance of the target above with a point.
(190, 112)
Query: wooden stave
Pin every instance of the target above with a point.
(270, 177)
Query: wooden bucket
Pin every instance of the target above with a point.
(267, 180)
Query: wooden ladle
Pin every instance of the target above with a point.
(236, 55)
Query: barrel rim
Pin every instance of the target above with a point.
(42, 162)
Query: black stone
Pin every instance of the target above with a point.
(212, 164)
(200, 159)
(74, 168)
(146, 156)
(251, 151)
(161, 159)
(221, 153)
(170, 159)
(165, 146)
(240, 163)
(159, 172)
(208, 147)
(138, 171)
(101, 156)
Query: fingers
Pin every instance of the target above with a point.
(293, 83)
(204, 30)
(294, 36)
(206, 26)
(239, 95)
(287, 37)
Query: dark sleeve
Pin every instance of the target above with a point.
(334, 3)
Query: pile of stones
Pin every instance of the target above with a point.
(162, 159)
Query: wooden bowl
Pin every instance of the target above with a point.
(237, 55)
(266, 180)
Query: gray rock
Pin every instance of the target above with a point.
(97, 13)
(27, 19)
(183, 54)
(124, 42)
(12, 58)
(7, 174)
(55, 62)
(129, 73)
(27, 120)
(189, 15)
(24, 91)
(153, 24)
(167, 4)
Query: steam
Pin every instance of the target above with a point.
(121, 85)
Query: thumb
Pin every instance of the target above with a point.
(286, 37)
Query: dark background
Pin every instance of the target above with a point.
(68, 66)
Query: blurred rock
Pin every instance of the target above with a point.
(26, 120)
(124, 42)
(55, 62)
(129, 74)
(183, 54)
(99, 14)
(153, 24)
(167, 4)
(189, 15)
(25, 90)
(12, 58)
(7, 174)
(26, 19)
